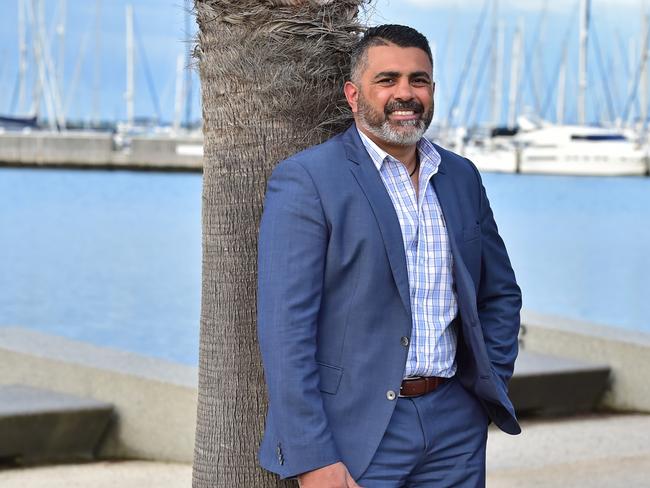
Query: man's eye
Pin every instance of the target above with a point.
(386, 81)
(420, 81)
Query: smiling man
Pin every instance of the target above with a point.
(388, 311)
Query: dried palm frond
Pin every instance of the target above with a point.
(293, 53)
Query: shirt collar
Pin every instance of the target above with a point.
(428, 153)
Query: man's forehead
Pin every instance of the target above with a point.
(397, 59)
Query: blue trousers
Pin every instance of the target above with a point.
(436, 440)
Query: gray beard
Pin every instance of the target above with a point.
(388, 133)
(382, 128)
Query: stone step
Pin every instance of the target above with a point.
(38, 425)
(543, 384)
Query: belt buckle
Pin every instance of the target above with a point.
(408, 379)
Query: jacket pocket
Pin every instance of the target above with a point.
(330, 377)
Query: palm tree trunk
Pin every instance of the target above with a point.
(271, 74)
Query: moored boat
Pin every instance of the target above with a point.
(581, 150)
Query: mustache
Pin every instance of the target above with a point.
(413, 105)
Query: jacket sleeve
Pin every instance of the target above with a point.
(499, 296)
(293, 241)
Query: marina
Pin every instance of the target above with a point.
(519, 135)
(611, 141)
(38, 130)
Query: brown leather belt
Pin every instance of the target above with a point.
(413, 387)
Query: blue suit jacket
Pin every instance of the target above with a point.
(333, 303)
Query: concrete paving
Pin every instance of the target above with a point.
(118, 474)
(595, 451)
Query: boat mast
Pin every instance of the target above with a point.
(443, 79)
(178, 99)
(514, 76)
(60, 31)
(44, 80)
(22, 47)
(72, 88)
(464, 74)
(643, 95)
(188, 66)
(494, 63)
(98, 66)
(37, 88)
(561, 90)
(501, 46)
(632, 62)
(633, 97)
(129, 67)
(582, 75)
(50, 72)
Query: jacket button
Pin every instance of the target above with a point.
(280, 455)
(390, 394)
(404, 341)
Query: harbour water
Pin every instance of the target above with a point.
(580, 246)
(114, 258)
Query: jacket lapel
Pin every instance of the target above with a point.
(373, 187)
(448, 199)
(449, 203)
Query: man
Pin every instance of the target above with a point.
(388, 311)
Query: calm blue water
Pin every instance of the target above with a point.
(580, 246)
(114, 258)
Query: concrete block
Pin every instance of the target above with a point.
(167, 152)
(43, 425)
(45, 148)
(88, 149)
(553, 385)
(154, 400)
(625, 351)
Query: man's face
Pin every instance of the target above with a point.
(393, 96)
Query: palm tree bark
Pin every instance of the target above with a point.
(271, 74)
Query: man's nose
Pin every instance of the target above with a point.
(404, 90)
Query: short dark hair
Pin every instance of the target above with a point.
(382, 35)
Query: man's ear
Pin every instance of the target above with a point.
(351, 95)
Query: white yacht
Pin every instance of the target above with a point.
(494, 152)
(581, 150)
(492, 157)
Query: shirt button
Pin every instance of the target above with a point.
(404, 341)
(390, 394)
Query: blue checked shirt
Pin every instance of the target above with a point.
(432, 350)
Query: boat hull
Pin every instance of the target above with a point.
(583, 162)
